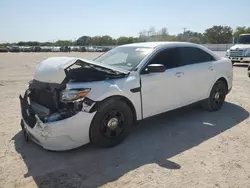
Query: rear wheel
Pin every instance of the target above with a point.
(111, 124)
(217, 96)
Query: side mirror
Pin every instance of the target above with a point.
(154, 68)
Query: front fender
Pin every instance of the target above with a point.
(113, 87)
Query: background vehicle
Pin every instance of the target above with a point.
(82, 49)
(74, 101)
(26, 49)
(36, 49)
(14, 49)
(55, 49)
(3, 49)
(241, 51)
(65, 49)
(46, 49)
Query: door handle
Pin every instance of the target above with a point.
(211, 68)
(178, 74)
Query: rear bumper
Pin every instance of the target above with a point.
(240, 59)
(61, 135)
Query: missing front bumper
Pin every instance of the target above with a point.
(59, 135)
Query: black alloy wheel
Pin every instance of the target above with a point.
(217, 96)
(111, 123)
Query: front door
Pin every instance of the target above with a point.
(163, 91)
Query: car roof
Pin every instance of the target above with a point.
(158, 44)
(165, 44)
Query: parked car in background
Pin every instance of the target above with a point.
(91, 49)
(99, 49)
(82, 49)
(26, 49)
(75, 49)
(3, 49)
(14, 49)
(65, 49)
(46, 49)
(55, 49)
(72, 101)
(240, 52)
(36, 49)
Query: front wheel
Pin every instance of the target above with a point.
(217, 96)
(111, 124)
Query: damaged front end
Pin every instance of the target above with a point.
(56, 110)
(52, 101)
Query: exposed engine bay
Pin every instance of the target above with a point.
(53, 102)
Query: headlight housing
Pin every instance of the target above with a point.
(247, 52)
(73, 95)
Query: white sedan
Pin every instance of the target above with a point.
(72, 101)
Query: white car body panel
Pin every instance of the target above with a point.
(160, 92)
(62, 135)
(120, 87)
(51, 70)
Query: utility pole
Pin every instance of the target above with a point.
(184, 29)
(184, 36)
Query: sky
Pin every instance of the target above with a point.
(50, 20)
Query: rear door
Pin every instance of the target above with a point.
(199, 73)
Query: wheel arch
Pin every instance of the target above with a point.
(118, 97)
(224, 80)
(220, 78)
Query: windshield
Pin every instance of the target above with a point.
(243, 39)
(124, 57)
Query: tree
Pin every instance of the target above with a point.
(106, 40)
(219, 35)
(83, 41)
(190, 36)
(151, 31)
(142, 36)
(164, 31)
(240, 30)
(122, 40)
(63, 43)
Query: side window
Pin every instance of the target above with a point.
(168, 57)
(192, 55)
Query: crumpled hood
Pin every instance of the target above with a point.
(52, 70)
(240, 46)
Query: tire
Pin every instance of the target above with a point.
(217, 96)
(111, 124)
(248, 73)
(233, 62)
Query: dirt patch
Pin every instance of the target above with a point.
(184, 148)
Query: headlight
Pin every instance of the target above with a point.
(227, 52)
(247, 53)
(72, 95)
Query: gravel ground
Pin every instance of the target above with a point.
(188, 147)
